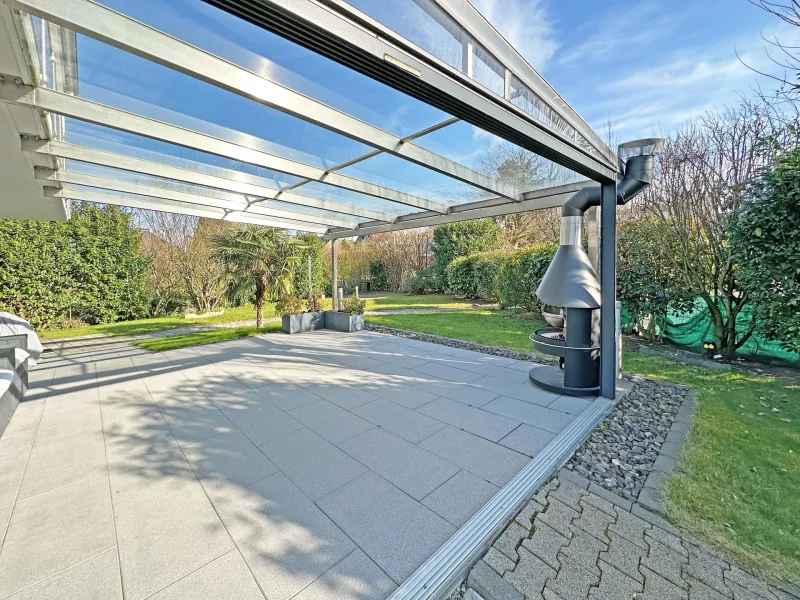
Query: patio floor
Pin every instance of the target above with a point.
(319, 466)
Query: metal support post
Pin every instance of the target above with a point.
(335, 270)
(593, 237)
(608, 289)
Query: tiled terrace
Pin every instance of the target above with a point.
(320, 466)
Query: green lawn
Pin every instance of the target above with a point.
(248, 313)
(740, 486)
(198, 338)
(490, 327)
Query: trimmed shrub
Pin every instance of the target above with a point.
(486, 267)
(460, 278)
(424, 281)
(521, 274)
(462, 239)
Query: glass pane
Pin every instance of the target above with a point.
(487, 71)
(328, 192)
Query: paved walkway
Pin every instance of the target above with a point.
(320, 466)
(570, 543)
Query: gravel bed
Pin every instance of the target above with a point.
(622, 449)
(444, 341)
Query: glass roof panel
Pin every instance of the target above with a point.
(328, 192)
(283, 61)
(495, 157)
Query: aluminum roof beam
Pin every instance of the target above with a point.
(214, 198)
(224, 179)
(552, 197)
(183, 208)
(107, 116)
(120, 31)
(336, 30)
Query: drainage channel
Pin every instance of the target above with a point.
(448, 566)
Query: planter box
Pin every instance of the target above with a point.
(340, 321)
(303, 322)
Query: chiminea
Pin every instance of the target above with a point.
(571, 283)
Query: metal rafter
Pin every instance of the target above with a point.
(224, 179)
(493, 207)
(183, 208)
(107, 116)
(340, 32)
(122, 32)
(213, 198)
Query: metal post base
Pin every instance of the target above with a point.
(552, 380)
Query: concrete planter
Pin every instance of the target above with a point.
(340, 321)
(303, 322)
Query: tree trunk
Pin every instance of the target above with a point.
(259, 309)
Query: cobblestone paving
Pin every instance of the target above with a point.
(576, 541)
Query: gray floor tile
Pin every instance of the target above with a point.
(399, 393)
(249, 373)
(261, 421)
(401, 374)
(408, 424)
(227, 463)
(527, 440)
(191, 417)
(466, 394)
(481, 457)
(474, 420)
(341, 394)
(287, 396)
(460, 497)
(95, 579)
(225, 578)
(377, 516)
(355, 578)
(164, 533)
(55, 427)
(537, 416)
(448, 373)
(287, 541)
(333, 423)
(14, 452)
(54, 531)
(316, 466)
(522, 391)
(413, 470)
(9, 486)
(570, 404)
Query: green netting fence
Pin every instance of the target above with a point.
(690, 330)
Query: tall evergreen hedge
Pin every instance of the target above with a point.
(462, 238)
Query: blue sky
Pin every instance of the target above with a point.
(647, 66)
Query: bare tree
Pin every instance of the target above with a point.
(784, 55)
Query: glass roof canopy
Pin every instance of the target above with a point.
(331, 127)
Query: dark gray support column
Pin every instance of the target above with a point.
(593, 238)
(335, 274)
(608, 289)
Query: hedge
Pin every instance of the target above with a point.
(521, 274)
(462, 238)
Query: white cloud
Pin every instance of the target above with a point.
(525, 24)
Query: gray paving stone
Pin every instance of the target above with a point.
(528, 512)
(400, 393)
(466, 394)
(707, 569)
(624, 556)
(97, 577)
(652, 519)
(546, 543)
(408, 424)
(667, 563)
(474, 420)
(602, 498)
(341, 394)
(191, 417)
(573, 478)
(330, 421)
(536, 416)
(670, 450)
(54, 531)
(584, 550)
(615, 585)
(164, 533)
(658, 588)
(530, 575)
(222, 578)
(355, 578)
(569, 494)
(412, 469)
(570, 404)
(287, 396)
(526, 392)
(499, 562)
(745, 580)
(652, 500)
(665, 464)
(510, 540)
(377, 516)
(448, 373)
(559, 516)
(285, 539)
(574, 580)
(460, 497)
(262, 422)
(471, 594)
(671, 541)
(227, 463)
(527, 440)
(490, 585)
(594, 521)
(475, 454)
(700, 591)
(676, 437)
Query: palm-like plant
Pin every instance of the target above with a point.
(259, 260)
